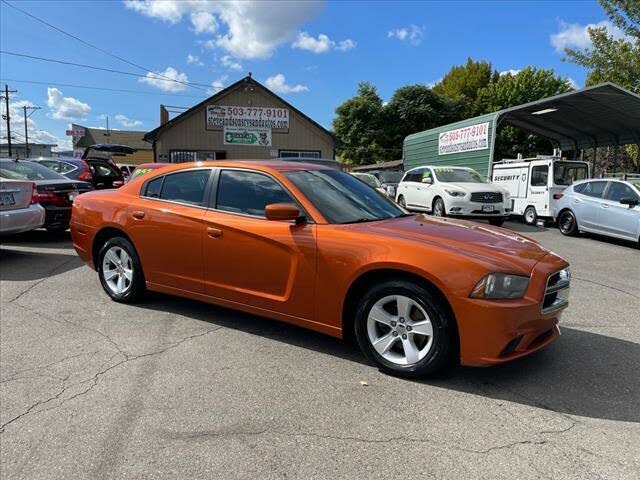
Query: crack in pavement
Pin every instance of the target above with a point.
(44, 279)
(605, 286)
(100, 373)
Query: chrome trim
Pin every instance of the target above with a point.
(559, 303)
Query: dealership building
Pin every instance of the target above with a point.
(243, 121)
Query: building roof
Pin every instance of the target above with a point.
(153, 134)
(129, 138)
(378, 166)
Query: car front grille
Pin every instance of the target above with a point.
(557, 292)
(486, 197)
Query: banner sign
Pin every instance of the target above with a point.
(466, 139)
(255, 137)
(75, 133)
(220, 116)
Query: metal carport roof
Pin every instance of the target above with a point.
(598, 116)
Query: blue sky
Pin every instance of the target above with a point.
(313, 54)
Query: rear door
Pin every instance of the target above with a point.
(587, 204)
(250, 260)
(539, 189)
(617, 219)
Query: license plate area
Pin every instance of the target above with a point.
(487, 208)
(7, 199)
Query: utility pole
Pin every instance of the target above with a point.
(26, 129)
(7, 117)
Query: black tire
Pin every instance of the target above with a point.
(443, 353)
(402, 202)
(136, 287)
(439, 209)
(567, 223)
(497, 222)
(58, 229)
(530, 215)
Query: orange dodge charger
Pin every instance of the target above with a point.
(316, 247)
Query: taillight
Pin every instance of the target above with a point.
(558, 196)
(86, 175)
(35, 198)
(53, 198)
(117, 183)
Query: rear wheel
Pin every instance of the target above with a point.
(120, 271)
(438, 208)
(530, 215)
(568, 224)
(405, 330)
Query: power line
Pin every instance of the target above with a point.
(106, 89)
(94, 46)
(110, 70)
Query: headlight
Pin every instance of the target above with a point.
(500, 286)
(455, 193)
(391, 191)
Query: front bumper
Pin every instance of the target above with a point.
(498, 331)
(21, 219)
(459, 207)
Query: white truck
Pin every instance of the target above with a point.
(533, 182)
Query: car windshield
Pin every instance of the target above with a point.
(341, 198)
(369, 179)
(449, 175)
(27, 171)
(565, 173)
(390, 177)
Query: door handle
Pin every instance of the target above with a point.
(576, 201)
(214, 232)
(138, 215)
(604, 205)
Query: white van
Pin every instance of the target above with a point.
(533, 182)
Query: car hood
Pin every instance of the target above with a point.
(501, 248)
(474, 187)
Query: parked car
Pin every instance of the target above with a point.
(453, 191)
(126, 169)
(105, 171)
(370, 180)
(606, 207)
(73, 168)
(19, 207)
(389, 179)
(54, 192)
(145, 168)
(316, 247)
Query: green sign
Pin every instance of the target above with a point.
(257, 137)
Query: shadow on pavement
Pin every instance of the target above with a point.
(583, 373)
(38, 239)
(20, 265)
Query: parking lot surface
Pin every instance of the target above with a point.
(172, 388)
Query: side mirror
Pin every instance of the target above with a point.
(281, 211)
(632, 202)
(428, 180)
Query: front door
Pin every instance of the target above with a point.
(615, 218)
(250, 260)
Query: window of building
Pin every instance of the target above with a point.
(539, 176)
(248, 192)
(299, 154)
(185, 187)
(180, 156)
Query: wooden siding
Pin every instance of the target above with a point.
(190, 132)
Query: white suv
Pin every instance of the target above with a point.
(454, 191)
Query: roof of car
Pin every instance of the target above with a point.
(264, 165)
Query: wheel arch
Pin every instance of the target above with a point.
(102, 236)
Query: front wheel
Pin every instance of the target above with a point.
(402, 202)
(530, 215)
(405, 330)
(120, 270)
(438, 208)
(567, 224)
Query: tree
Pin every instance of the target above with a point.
(464, 82)
(415, 108)
(358, 127)
(509, 90)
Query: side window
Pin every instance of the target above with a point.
(53, 165)
(248, 192)
(594, 189)
(617, 191)
(153, 188)
(426, 175)
(186, 187)
(579, 188)
(66, 167)
(539, 176)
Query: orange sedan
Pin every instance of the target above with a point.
(316, 247)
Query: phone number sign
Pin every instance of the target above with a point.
(466, 139)
(220, 116)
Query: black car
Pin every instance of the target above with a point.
(100, 172)
(54, 191)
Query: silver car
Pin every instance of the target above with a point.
(19, 208)
(603, 206)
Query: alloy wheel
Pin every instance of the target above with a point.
(117, 270)
(438, 209)
(566, 223)
(400, 330)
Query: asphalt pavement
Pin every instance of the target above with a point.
(176, 389)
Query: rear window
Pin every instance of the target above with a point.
(27, 171)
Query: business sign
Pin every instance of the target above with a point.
(466, 139)
(75, 133)
(220, 116)
(255, 137)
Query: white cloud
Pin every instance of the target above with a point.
(230, 63)
(278, 84)
(167, 81)
(511, 71)
(433, 83)
(218, 84)
(245, 29)
(204, 22)
(66, 108)
(576, 36)
(321, 44)
(194, 60)
(412, 34)
(126, 121)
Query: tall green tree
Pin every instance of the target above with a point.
(509, 90)
(358, 127)
(464, 82)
